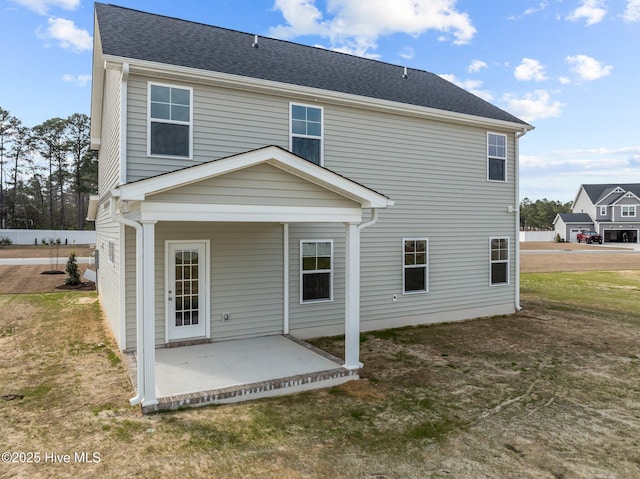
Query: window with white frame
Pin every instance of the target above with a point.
(628, 211)
(496, 157)
(170, 121)
(415, 264)
(316, 270)
(306, 132)
(603, 211)
(499, 254)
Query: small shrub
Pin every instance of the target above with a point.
(5, 241)
(558, 239)
(73, 274)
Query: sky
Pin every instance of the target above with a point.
(571, 68)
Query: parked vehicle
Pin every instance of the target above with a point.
(589, 237)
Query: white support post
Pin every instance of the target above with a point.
(352, 298)
(149, 320)
(285, 275)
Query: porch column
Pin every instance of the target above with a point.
(149, 319)
(352, 298)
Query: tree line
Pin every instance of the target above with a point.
(46, 173)
(539, 215)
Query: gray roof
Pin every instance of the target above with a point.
(575, 218)
(597, 193)
(144, 36)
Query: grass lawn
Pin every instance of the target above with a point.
(551, 392)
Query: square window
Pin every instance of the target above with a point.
(170, 123)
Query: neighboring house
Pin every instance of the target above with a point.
(612, 210)
(251, 187)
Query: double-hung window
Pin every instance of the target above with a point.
(496, 157)
(170, 121)
(628, 211)
(306, 132)
(499, 254)
(316, 271)
(415, 252)
(603, 211)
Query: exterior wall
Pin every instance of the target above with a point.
(435, 172)
(583, 204)
(108, 231)
(246, 278)
(259, 185)
(617, 210)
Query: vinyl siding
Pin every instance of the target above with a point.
(246, 278)
(259, 185)
(109, 153)
(583, 204)
(435, 172)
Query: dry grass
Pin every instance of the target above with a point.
(551, 392)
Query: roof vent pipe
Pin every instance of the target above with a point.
(255, 42)
(404, 75)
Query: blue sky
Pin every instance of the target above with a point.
(569, 67)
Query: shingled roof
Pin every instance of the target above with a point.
(597, 193)
(138, 35)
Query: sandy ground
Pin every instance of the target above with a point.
(29, 279)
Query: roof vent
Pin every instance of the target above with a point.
(255, 42)
(404, 75)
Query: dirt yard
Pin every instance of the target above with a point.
(30, 278)
(556, 257)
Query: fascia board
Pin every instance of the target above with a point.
(162, 211)
(310, 94)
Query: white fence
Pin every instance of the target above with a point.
(537, 236)
(37, 236)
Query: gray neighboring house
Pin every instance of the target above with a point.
(253, 187)
(612, 210)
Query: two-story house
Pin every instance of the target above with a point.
(252, 189)
(612, 210)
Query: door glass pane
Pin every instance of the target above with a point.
(186, 288)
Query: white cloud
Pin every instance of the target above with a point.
(593, 11)
(407, 53)
(476, 66)
(564, 80)
(67, 35)
(79, 80)
(632, 12)
(355, 26)
(588, 68)
(42, 6)
(472, 86)
(536, 105)
(530, 69)
(541, 6)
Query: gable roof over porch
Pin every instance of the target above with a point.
(267, 184)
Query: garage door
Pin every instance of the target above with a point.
(573, 236)
(621, 236)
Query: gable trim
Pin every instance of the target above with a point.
(272, 155)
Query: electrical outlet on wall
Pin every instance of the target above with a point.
(226, 316)
(395, 298)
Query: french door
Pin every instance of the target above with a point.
(186, 290)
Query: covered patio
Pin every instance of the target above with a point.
(238, 370)
(265, 186)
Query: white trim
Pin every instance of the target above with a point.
(285, 278)
(247, 213)
(630, 208)
(313, 137)
(315, 301)
(603, 208)
(508, 262)
(172, 122)
(309, 94)
(204, 289)
(149, 314)
(352, 297)
(124, 118)
(426, 265)
(271, 155)
(505, 158)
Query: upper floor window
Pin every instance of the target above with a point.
(603, 211)
(170, 121)
(628, 211)
(496, 157)
(306, 132)
(499, 254)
